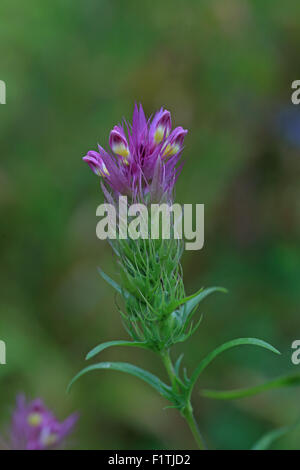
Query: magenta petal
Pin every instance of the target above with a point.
(34, 427)
(93, 160)
(117, 137)
(178, 135)
(138, 154)
(160, 127)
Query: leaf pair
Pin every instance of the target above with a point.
(151, 379)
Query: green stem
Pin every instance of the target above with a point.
(190, 419)
(188, 411)
(165, 355)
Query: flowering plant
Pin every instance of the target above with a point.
(34, 427)
(143, 166)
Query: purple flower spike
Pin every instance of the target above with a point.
(149, 151)
(34, 427)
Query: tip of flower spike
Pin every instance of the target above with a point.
(139, 122)
(131, 168)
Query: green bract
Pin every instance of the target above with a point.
(157, 312)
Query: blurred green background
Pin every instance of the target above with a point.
(224, 69)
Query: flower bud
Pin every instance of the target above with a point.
(34, 427)
(160, 127)
(119, 144)
(96, 163)
(175, 142)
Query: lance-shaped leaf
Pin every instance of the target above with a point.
(187, 306)
(230, 344)
(146, 376)
(267, 440)
(287, 381)
(114, 284)
(194, 300)
(177, 364)
(108, 344)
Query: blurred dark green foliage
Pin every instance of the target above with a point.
(73, 69)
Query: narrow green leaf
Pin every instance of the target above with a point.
(177, 364)
(230, 344)
(113, 283)
(183, 307)
(151, 379)
(108, 344)
(194, 300)
(267, 440)
(287, 381)
(174, 306)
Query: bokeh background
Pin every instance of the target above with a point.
(224, 69)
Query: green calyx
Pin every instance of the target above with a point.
(157, 311)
